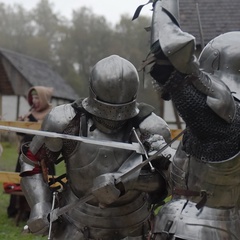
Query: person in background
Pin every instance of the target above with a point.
(39, 100)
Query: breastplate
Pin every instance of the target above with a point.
(89, 161)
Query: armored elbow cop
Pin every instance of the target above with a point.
(27, 164)
(169, 42)
(39, 199)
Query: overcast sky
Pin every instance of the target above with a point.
(111, 9)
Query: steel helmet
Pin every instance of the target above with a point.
(221, 57)
(113, 89)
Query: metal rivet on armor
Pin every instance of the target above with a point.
(105, 156)
(227, 67)
(215, 53)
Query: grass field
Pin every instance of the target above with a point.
(8, 228)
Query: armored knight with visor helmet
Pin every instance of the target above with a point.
(109, 113)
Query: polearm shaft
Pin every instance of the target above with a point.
(127, 146)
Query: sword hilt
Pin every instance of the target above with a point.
(144, 150)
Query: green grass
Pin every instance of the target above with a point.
(9, 156)
(8, 228)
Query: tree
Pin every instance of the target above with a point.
(87, 42)
(133, 41)
(46, 31)
(15, 28)
(73, 46)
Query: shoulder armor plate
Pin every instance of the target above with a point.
(56, 121)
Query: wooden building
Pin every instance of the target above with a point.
(206, 19)
(18, 73)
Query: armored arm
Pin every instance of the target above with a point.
(174, 51)
(35, 159)
(35, 187)
(108, 187)
(201, 97)
(155, 134)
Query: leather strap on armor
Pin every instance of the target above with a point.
(24, 157)
(166, 230)
(59, 179)
(190, 193)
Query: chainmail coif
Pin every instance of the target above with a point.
(208, 137)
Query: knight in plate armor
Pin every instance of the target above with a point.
(204, 174)
(110, 113)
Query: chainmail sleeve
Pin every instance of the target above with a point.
(208, 137)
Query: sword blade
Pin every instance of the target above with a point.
(127, 146)
(59, 211)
